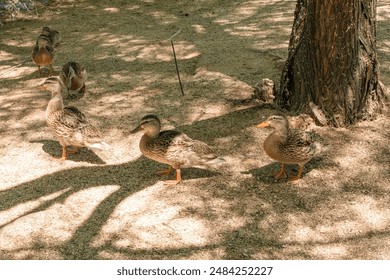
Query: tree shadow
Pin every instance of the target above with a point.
(54, 149)
(231, 123)
(266, 173)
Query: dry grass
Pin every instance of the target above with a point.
(109, 205)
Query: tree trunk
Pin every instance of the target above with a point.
(332, 70)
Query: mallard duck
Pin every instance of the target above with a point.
(68, 124)
(173, 148)
(53, 35)
(43, 53)
(73, 76)
(287, 145)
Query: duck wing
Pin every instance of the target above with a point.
(84, 131)
(74, 118)
(299, 145)
(187, 151)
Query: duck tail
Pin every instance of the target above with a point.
(100, 146)
(215, 161)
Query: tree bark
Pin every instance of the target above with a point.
(332, 69)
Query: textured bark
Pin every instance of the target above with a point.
(332, 68)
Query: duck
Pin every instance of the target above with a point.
(73, 76)
(53, 35)
(69, 125)
(173, 148)
(43, 53)
(287, 145)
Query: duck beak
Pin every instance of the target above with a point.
(40, 87)
(135, 130)
(263, 124)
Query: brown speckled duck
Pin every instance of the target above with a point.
(53, 35)
(73, 76)
(173, 148)
(69, 125)
(43, 53)
(287, 145)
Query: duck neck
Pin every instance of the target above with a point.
(152, 132)
(282, 131)
(55, 103)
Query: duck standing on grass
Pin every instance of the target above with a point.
(173, 148)
(69, 125)
(287, 145)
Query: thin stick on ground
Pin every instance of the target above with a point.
(177, 68)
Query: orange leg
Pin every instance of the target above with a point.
(63, 157)
(281, 173)
(174, 182)
(295, 179)
(51, 70)
(165, 172)
(65, 152)
(39, 70)
(75, 151)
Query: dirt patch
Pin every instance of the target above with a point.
(110, 205)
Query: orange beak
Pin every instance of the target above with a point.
(40, 87)
(263, 124)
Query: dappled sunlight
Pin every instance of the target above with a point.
(268, 44)
(211, 111)
(22, 156)
(54, 224)
(26, 43)
(18, 108)
(126, 104)
(151, 219)
(4, 56)
(16, 72)
(199, 28)
(163, 17)
(331, 251)
(384, 47)
(371, 213)
(249, 30)
(20, 210)
(280, 17)
(383, 12)
(163, 52)
(112, 10)
(233, 88)
(133, 48)
(356, 217)
(244, 21)
(145, 220)
(243, 11)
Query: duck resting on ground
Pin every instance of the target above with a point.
(287, 145)
(70, 126)
(173, 148)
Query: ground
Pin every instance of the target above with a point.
(110, 205)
